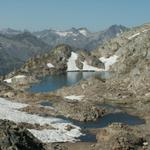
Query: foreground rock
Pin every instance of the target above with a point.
(14, 137)
(119, 137)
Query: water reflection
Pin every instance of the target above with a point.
(51, 83)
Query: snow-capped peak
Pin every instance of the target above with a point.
(83, 32)
(66, 33)
(61, 33)
(72, 32)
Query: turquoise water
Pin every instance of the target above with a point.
(54, 82)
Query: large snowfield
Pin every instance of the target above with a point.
(71, 64)
(58, 133)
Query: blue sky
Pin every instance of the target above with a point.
(64, 14)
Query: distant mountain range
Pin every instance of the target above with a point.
(15, 49)
(16, 46)
(79, 38)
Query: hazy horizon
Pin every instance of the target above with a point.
(95, 15)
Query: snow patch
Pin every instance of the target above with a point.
(75, 97)
(8, 80)
(9, 110)
(108, 61)
(64, 34)
(49, 136)
(61, 33)
(71, 64)
(19, 76)
(145, 143)
(135, 35)
(146, 30)
(49, 65)
(15, 77)
(11, 105)
(83, 32)
(87, 67)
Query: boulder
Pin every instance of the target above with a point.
(119, 136)
(15, 137)
(79, 111)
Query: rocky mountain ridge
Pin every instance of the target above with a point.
(133, 51)
(79, 38)
(16, 49)
(60, 59)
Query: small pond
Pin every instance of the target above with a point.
(120, 117)
(111, 118)
(46, 103)
(105, 121)
(54, 82)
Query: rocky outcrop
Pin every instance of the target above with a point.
(6, 90)
(133, 64)
(38, 66)
(79, 111)
(16, 137)
(132, 49)
(119, 137)
(89, 58)
(109, 47)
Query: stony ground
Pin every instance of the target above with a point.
(93, 91)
